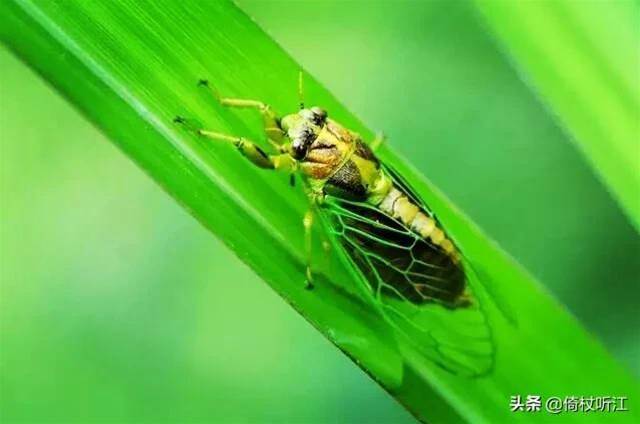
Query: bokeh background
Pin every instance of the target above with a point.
(157, 333)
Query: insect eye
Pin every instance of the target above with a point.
(319, 115)
(301, 143)
(299, 149)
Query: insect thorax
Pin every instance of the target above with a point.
(340, 163)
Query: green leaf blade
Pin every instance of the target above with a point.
(131, 69)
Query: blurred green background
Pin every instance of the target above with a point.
(160, 332)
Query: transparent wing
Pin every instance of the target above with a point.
(422, 293)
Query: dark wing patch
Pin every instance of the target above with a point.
(415, 285)
(411, 267)
(346, 182)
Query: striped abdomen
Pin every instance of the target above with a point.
(398, 205)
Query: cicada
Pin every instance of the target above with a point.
(404, 259)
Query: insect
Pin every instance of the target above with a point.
(409, 266)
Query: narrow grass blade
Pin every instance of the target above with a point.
(132, 66)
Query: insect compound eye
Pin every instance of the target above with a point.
(301, 143)
(315, 115)
(299, 150)
(306, 114)
(319, 115)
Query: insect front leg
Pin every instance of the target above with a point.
(249, 149)
(270, 120)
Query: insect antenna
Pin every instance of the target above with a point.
(301, 89)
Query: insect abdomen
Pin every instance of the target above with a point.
(398, 205)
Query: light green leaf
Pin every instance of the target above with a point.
(583, 59)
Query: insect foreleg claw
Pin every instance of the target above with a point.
(180, 120)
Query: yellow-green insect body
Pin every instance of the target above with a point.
(337, 162)
(411, 267)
